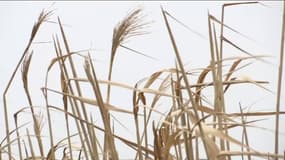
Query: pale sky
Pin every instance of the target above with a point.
(90, 25)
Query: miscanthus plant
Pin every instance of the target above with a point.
(191, 129)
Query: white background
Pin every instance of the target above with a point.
(90, 25)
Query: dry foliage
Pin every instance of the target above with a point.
(189, 120)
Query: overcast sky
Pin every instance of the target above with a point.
(89, 25)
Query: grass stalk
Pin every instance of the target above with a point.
(73, 103)
(145, 131)
(244, 133)
(93, 141)
(30, 144)
(42, 18)
(186, 136)
(186, 83)
(85, 129)
(174, 89)
(25, 69)
(65, 103)
(90, 73)
(136, 100)
(18, 136)
(279, 85)
(217, 78)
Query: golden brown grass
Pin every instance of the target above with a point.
(190, 118)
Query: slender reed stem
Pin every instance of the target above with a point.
(279, 86)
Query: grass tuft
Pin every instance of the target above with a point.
(190, 115)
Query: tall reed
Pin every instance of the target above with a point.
(189, 120)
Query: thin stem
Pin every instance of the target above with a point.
(186, 82)
(279, 83)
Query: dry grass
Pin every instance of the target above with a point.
(190, 118)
